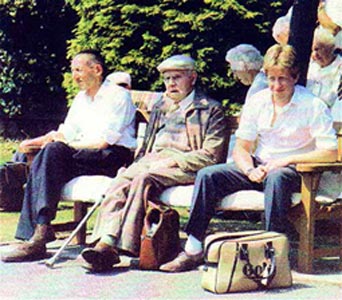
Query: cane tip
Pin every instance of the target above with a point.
(49, 264)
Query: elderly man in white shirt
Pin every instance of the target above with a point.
(97, 138)
(290, 126)
(325, 69)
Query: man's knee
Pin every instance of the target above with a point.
(276, 175)
(55, 147)
(206, 173)
(143, 177)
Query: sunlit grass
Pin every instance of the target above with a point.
(9, 221)
(7, 148)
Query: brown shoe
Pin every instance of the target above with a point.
(43, 233)
(27, 251)
(183, 262)
(101, 258)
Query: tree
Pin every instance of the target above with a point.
(136, 35)
(33, 35)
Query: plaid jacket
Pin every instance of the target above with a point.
(207, 132)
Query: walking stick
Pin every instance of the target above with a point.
(51, 261)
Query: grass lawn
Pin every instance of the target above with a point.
(7, 148)
(9, 221)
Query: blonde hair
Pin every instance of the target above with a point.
(283, 56)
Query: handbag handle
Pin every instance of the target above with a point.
(259, 273)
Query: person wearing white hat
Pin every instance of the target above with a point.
(120, 78)
(186, 132)
(281, 30)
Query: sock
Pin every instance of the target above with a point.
(108, 239)
(193, 246)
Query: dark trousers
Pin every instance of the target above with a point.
(215, 182)
(54, 166)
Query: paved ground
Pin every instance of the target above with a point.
(68, 280)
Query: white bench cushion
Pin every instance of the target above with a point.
(86, 188)
(91, 188)
(242, 200)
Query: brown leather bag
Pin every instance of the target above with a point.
(160, 241)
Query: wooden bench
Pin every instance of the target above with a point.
(315, 202)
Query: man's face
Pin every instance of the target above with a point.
(322, 54)
(179, 84)
(281, 83)
(85, 73)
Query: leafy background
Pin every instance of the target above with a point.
(39, 37)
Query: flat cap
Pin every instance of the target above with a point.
(176, 62)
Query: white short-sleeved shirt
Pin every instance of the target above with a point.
(303, 125)
(259, 83)
(324, 82)
(110, 117)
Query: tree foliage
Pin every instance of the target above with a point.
(133, 35)
(136, 35)
(33, 35)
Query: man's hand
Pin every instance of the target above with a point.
(40, 142)
(258, 174)
(163, 163)
(53, 136)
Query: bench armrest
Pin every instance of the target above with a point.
(319, 167)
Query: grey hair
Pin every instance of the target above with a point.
(244, 57)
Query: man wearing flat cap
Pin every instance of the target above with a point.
(187, 131)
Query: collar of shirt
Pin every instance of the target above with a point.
(295, 99)
(183, 104)
(103, 91)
